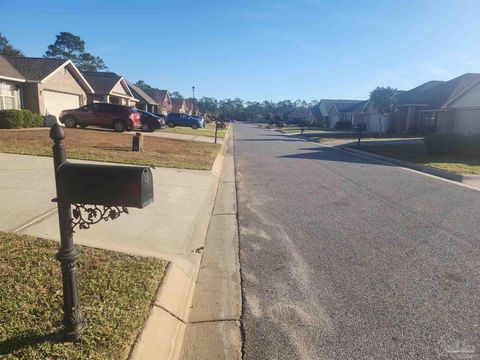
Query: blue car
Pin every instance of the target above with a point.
(176, 119)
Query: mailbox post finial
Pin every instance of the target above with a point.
(56, 133)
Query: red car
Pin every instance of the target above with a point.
(118, 117)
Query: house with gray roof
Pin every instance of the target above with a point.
(341, 111)
(452, 106)
(322, 109)
(43, 86)
(162, 97)
(109, 88)
(145, 101)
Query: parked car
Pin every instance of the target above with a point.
(177, 119)
(151, 122)
(118, 117)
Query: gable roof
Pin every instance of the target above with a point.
(102, 82)
(7, 71)
(157, 95)
(39, 69)
(356, 107)
(35, 69)
(437, 94)
(140, 94)
(324, 105)
(178, 102)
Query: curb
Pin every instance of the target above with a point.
(213, 328)
(473, 180)
(163, 333)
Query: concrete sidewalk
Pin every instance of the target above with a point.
(169, 135)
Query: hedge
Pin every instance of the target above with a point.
(16, 119)
(453, 144)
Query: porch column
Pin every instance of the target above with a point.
(410, 115)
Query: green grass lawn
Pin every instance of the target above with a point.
(418, 154)
(209, 131)
(91, 144)
(116, 293)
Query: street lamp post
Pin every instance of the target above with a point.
(193, 91)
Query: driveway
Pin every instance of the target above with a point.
(346, 258)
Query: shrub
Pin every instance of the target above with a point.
(453, 144)
(16, 119)
(343, 125)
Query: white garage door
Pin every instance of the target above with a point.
(56, 102)
(468, 121)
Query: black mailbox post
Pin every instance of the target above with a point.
(97, 192)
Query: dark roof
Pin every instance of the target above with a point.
(324, 105)
(178, 102)
(157, 95)
(35, 69)
(347, 106)
(436, 94)
(101, 82)
(355, 107)
(140, 94)
(7, 69)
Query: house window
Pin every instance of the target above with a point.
(9, 96)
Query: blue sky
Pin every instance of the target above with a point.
(262, 49)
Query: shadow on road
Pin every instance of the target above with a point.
(330, 154)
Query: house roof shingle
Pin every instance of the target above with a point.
(102, 82)
(324, 105)
(35, 69)
(436, 94)
(141, 94)
(7, 70)
(157, 95)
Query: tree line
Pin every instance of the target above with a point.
(70, 46)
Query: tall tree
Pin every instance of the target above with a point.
(384, 99)
(7, 49)
(70, 46)
(208, 105)
(143, 85)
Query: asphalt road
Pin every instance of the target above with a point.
(346, 258)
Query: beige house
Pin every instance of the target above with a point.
(162, 97)
(43, 86)
(109, 88)
(145, 102)
(191, 106)
(447, 106)
(179, 106)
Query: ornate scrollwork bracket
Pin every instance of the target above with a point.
(84, 216)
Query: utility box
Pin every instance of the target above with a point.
(108, 185)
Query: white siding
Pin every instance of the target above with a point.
(467, 121)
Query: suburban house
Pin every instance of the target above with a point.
(43, 86)
(179, 106)
(366, 114)
(162, 97)
(342, 112)
(109, 88)
(447, 106)
(191, 106)
(145, 102)
(322, 109)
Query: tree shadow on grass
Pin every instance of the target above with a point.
(18, 342)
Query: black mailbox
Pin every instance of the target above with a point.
(109, 185)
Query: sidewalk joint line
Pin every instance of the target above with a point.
(36, 220)
(169, 312)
